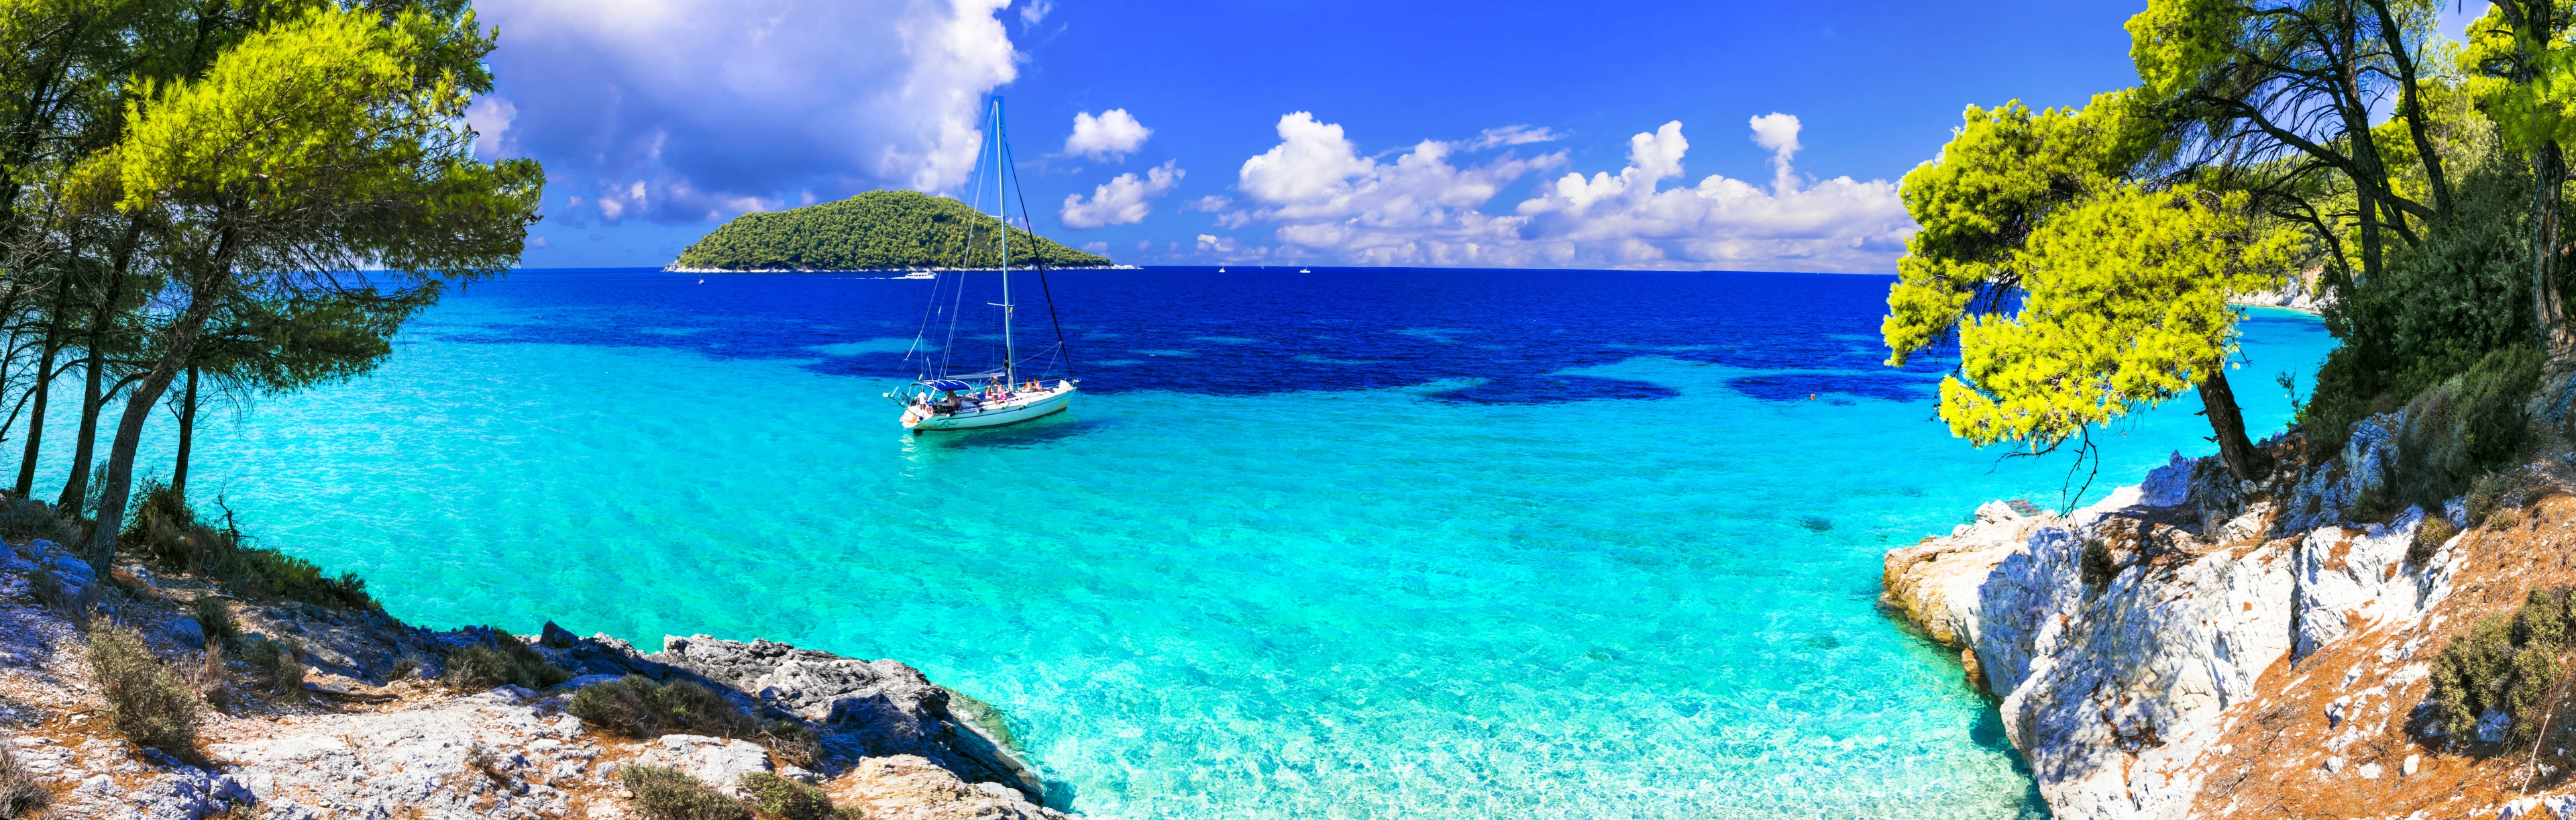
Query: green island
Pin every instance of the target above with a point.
(874, 230)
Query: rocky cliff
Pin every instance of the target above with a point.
(371, 734)
(2198, 646)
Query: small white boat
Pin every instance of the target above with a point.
(954, 404)
(1303, 270)
(1012, 391)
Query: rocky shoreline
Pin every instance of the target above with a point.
(371, 733)
(2198, 646)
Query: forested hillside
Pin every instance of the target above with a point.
(878, 229)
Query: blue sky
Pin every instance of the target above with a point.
(1316, 133)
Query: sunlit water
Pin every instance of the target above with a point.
(1382, 543)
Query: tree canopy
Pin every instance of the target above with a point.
(260, 190)
(874, 230)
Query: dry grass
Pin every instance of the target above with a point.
(21, 795)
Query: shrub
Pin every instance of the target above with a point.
(779, 797)
(279, 662)
(216, 618)
(2485, 494)
(20, 793)
(667, 794)
(636, 706)
(71, 600)
(23, 520)
(501, 659)
(2429, 539)
(2095, 566)
(2435, 306)
(2505, 663)
(149, 704)
(791, 742)
(2466, 426)
(164, 527)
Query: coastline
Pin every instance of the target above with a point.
(2198, 646)
(385, 719)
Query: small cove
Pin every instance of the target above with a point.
(1362, 543)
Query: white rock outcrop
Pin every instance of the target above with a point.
(2119, 636)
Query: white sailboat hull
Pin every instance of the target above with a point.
(1011, 412)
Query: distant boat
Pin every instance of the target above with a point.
(1220, 268)
(1303, 270)
(940, 400)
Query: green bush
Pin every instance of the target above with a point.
(636, 706)
(147, 702)
(2095, 567)
(21, 795)
(2505, 663)
(2437, 305)
(216, 618)
(668, 794)
(2466, 426)
(779, 797)
(23, 520)
(791, 742)
(279, 663)
(2485, 495)
(165, 528)
(2429, 538)
(502, 659)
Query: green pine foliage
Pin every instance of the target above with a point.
(878, 229)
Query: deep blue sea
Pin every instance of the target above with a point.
(1360, 543)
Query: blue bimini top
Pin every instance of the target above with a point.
(947, 384)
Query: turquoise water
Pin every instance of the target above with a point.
(1650, 597)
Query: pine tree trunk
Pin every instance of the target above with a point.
(2246, 461)
(76, 489)
(36, 421)
(112, 493)
(181, 343)
(187, 436)
(2549, 167)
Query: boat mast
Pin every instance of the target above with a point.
(1001, 211)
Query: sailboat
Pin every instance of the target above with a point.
(1014, 391)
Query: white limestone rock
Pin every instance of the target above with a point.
(717, 761)
(2113, 691)
(2356, 579)
(2326, 497)
(465, 758)
(1935, 582)
(907, 787)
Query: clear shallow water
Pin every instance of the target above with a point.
(1379, 543)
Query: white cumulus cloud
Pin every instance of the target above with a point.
(490, 118)
(1122, 201)
(1778, 132)
(1109, 137)
(1421, 209)
(723, 105)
